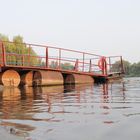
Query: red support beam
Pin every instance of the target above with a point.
(59, 64)
(47, 59)
(122, 66)
(3, 54)
(90, 66)
(76, 65)
(29, 54)
(109, 64)
(83, 61)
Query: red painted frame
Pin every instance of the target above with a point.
(79, 65)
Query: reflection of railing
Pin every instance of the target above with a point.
(47, 57)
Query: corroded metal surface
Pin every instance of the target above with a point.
(27, 79)
(43, 78)
(49, 63)
(10, 78)
(10, 93)
(58, 59)
(78, 79)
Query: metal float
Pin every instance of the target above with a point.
(44, 78)
(10, 78)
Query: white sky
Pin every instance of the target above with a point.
(106, 27)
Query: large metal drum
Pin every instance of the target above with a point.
(10, 78)
(43, 78)
(78, 79)
(27, 79)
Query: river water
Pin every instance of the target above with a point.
(81, 112)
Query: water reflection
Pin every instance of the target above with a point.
(49, 109)
(9, 93)
(23, 103)
(76, 87)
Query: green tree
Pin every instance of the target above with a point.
(64, 66)
(135, 69)
(18, 53)
(67, 66)
(10, 58)
(116, 67)
(53, 64)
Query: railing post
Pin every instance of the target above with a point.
(47, 61)
(22, 55)
(1, 58)
(105, 66)
(76, 65)
(3, 53)
(110, 65)
(90, 65)
(59, 65)
(83, 61)
(122, 66)
(29, 52)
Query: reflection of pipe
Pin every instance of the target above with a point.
(76, 87)
(10, 93)
(50, 94)
(123, 90)
(105, 89)
(39, 92)
(52, 89)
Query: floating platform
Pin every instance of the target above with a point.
(43, 65)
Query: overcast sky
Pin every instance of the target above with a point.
(106, 27)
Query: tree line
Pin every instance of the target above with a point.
(131, 69)
(18, 53)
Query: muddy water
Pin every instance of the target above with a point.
(81, 112)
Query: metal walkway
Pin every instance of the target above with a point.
(24, 56)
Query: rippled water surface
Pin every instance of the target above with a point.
(80, 112)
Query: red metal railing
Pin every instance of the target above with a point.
(47, 57)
